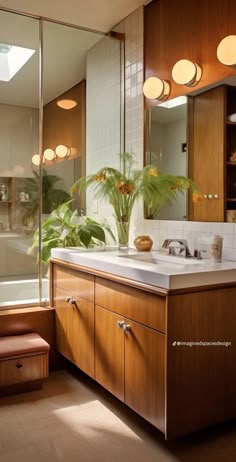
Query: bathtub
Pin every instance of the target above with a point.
(21, 292)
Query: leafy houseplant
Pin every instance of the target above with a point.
(62, 229)
(52, 197)
(122, 188)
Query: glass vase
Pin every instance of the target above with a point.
(123, 234)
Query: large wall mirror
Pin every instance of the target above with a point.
(81, 81)
(195, 135)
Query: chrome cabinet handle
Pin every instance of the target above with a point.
(127, 327)
(120, 324)
(211, 196)
(70, 300)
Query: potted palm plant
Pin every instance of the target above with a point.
(121, 188)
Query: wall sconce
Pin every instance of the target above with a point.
(155, 88)
(186, 72)
(49, 154)
(226, 50)
(62, 151)
(36, 159)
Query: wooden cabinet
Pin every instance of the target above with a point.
(230, 154)
(130, 363)
(75, 329)
(212, 153)
(169, 355)
(109, 351)
(206, 151)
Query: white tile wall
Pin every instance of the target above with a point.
(197, 234)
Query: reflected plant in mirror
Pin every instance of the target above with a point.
(166, 148)
(121, 188)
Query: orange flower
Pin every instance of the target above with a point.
(197, 196)
(125, 188)
(180, 184)
(153, 172)
(74, 189)
(100, 177)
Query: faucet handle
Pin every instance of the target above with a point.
(166, 243)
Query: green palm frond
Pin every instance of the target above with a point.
(122, 188)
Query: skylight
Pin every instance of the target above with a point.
(174, 102)
(12, 59)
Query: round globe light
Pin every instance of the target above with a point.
(62, 151)
(49, 154)
(155, 88)
(226, 50)
(186, 72)
(36, 159)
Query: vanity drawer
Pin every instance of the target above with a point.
(26, 369)
(75, 282)
(138, 305)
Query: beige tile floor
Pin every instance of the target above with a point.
(74, 420)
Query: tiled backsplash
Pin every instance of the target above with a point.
(197, 234)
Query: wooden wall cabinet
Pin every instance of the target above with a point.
(211, 145)
(142, 349)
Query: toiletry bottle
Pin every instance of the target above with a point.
(216, 247)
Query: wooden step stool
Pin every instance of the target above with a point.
(23, 363)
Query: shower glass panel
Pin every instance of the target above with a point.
(82, 112)
(19, 142)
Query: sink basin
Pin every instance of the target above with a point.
(158, 257)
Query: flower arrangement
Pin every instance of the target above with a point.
(122, 188)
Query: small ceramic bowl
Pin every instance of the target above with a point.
(143, 243)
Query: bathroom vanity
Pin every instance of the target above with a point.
(158, 335)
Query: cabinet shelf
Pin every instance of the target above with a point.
(231, 199)
(5, 202)
(231, 162)
(230, 123)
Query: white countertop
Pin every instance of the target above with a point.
(159, 273)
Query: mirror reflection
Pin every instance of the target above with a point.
(197, 139)
(167, 149)
(19, 139)
(81, 115)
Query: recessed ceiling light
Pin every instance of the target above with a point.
(12, 59)
(66, 103)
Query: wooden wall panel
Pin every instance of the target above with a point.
(66, 127)
(192, 30)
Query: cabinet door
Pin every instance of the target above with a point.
(109, 351)
(63, 323)
(82, 331)
(206, 153)
(145, 372)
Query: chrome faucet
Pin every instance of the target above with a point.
(184, 248)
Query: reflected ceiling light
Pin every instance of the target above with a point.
(36, 159)
(226, 50)
(49, 154)
(62, 151)
(186, 72)
(179, 101)
(66, 103)
(12, 59)
(155, 88)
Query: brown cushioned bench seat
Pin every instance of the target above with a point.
(16, 346)
(23, 363)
